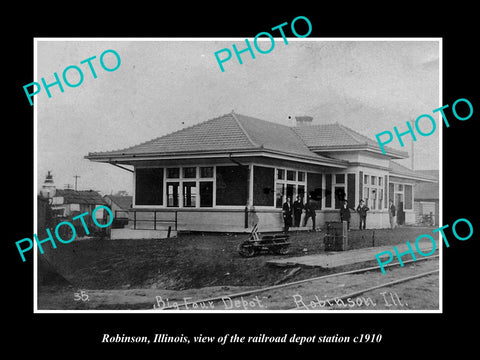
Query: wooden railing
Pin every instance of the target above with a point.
(155, 220)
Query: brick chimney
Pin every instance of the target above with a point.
(303, 120)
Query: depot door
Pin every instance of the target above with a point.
(399, 206)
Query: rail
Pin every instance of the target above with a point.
(312, 279)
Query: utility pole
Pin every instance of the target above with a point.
(76, 177)
(412, 156)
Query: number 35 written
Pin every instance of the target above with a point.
(82, 295)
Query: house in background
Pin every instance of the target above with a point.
(67, 203)
(55, 205)
(119, 203)
(231, 172)
(121, 206)
(427, 203)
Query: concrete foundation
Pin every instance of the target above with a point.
(118, 234)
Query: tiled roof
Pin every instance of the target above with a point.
(89, 197)
(400, 170)
(327, 135)
(273, 136)
(337, 136)
(235, 132)
(427, 191)
(220, 133)
(124, 202)
(432, 173)
(230, 132)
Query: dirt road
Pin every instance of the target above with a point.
(330, 294)
(418, 294)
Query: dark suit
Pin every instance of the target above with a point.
(297, 212)
(362, 211)
(310, 212)
(287, 215)
(345, 215)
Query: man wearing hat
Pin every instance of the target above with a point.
(362, 211)
(392, 213)
(345, 214)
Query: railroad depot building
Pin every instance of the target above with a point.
(231, 172)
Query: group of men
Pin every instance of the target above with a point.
(294, 212)
(362, 209)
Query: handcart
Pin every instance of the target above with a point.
(256, 243)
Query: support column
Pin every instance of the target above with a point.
(250, 186)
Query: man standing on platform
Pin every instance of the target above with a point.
(297, 211)
(362, 211)
(392, 214)
(345, 214)
(310, 212)
(287, 214)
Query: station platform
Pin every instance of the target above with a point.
(333, 259)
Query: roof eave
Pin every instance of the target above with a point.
(392, 153)
(130, 158)
(413, 177)
(102, 157)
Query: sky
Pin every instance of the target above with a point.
(165, 85)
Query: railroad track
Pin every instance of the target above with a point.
(219, 299)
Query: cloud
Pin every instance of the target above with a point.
(162, 86)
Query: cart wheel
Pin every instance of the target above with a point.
(282, 250)
(246, 250)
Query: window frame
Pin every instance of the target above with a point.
(399, 185)
(186, 184)
(167, 170)
(134, 199)
(206, 167)
(288, 183)
(374, 187)
(184, 168)
(180, 180)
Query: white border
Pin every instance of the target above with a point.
(340, 39)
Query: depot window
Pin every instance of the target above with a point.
(289, 184)
(189, 193)
(231, 185)
(373, 193)
(173, 173)
(206, 193)
(301, 176)
(206, 172)
(189, 172)
(183, 187)
(336, 190)
(402, 195)
(173, 194)
(263, 182)
(291, 175)
(339, 190)
(408, 197)
(149, 186)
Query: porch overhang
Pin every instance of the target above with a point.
(132, 159)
